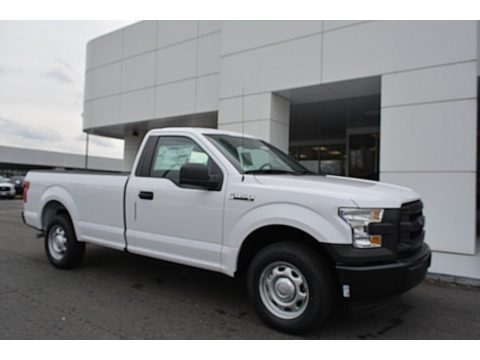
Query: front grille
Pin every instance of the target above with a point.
(4, 188)
(411, 227)
(401, 229)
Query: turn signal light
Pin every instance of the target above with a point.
(376, 240)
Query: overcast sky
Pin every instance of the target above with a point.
(42, 70)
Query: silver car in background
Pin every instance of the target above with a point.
(7, 189)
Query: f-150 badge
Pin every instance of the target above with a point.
(245, 197)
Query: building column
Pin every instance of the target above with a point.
(266, 116)
(130, 149)
(429, 143)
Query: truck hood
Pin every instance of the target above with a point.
(6, 184)
(364, 193)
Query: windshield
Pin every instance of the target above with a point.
(4, 179)
(253, 156)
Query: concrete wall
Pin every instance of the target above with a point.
(428, 142)
(152, 69)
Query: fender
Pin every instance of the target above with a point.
(60, 194)
(289, 214)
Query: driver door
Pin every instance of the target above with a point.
(171, 222)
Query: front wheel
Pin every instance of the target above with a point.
(61, 245)
(290, 287)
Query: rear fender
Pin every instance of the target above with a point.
(61, 195)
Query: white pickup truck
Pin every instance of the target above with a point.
(230, 203)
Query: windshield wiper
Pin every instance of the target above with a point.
(268, 171)
(304, 172)
(279, 171)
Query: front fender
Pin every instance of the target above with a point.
(297, 216)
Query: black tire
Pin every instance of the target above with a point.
(313, 270)
(71, 252)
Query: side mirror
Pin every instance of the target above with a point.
(197, 175)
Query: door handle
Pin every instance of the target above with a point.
(146, 195)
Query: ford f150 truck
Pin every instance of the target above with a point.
(235, 204)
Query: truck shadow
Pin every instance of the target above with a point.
(225, 299)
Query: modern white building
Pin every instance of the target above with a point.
(389, 100)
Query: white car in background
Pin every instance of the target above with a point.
(7, 189)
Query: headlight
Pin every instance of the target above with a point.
(359, 219)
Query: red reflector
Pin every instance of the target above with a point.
(26, 185)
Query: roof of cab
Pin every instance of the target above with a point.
(202, 131)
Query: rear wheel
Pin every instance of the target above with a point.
(290, 287)
(61, 245)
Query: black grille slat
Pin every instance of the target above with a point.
(414, 207)
(411, 227)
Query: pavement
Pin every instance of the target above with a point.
(115, 295)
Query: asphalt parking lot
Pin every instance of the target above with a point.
(115, 295)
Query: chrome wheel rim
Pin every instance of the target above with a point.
(284, 290)
(57, 242)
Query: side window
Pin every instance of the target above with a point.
(172, 152)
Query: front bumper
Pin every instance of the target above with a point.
(385, 279)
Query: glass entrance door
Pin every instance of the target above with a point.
(325, 157)
(363, 153)
(356, 156)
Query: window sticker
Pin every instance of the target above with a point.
(198, 157)
(172, 157)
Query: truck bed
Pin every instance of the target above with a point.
(94, 200)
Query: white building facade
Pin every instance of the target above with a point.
(394, 101)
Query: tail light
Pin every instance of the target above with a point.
(26, 186)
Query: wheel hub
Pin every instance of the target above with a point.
(57, 242)
(284, 290)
